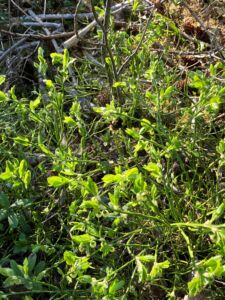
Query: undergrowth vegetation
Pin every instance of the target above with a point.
(114, 192)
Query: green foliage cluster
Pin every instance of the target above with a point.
(114, 201)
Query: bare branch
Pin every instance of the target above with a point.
(33, 15)
(9, 50)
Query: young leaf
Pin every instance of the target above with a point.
(2, 96)
(154, 169)
(91, 187)
(131, 174)
(157, 269)
(195, 285)
(25, 266)
(142, 271)
(69, 258)
(22, 168)
(32, 261)
(119, 84)
(45, 150)
(2, 79)
(110, 178)
(70, 121)
(84, 238)
(115, 286)
(93, 203)
(35, 103)
(6, 175)
(22, 141)
(57, 181)
(147, 258)
(27, 179)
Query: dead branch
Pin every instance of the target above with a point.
(33, 15)
(37, 24)
(9, 50)
(73, 41)
(79, 16)
(39, 36)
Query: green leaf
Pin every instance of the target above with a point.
(114, 199)
(22, 140)
(13, 280)
(49, 83)
(16, 268)
(93, 203)
(69, 258)
(2, 96)
(45, 149)
(142, 271)
(3, 214)
(91, 187)
(222, 91)
(195, 285)
(221, 147)
(27, 179)
(13, 220)
(66, 59)
(35, 103)
(134, 133)
(212, 70)
(110, 178)
(106, 248)
(131, 174)
(157, 269)
(4, 201)
(84, 238)
(70, 121)
(57, 181)
(119, 84)
(57, 58)
(25, 266)
(6, 175)
(32, 261)
(154, 169)
(218, 212)
(168, 91)
(147, 258)
(40, 267)
(84, 279)
(115, 286)
(2, 79)
(22, 168)
(7, 272)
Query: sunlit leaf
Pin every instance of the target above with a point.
(57, 181)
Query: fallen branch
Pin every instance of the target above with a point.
(28, 45)
(33, 15)
(80, 16)
(39, 36)
(9, 50)
(37, 24)
(73, 41)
